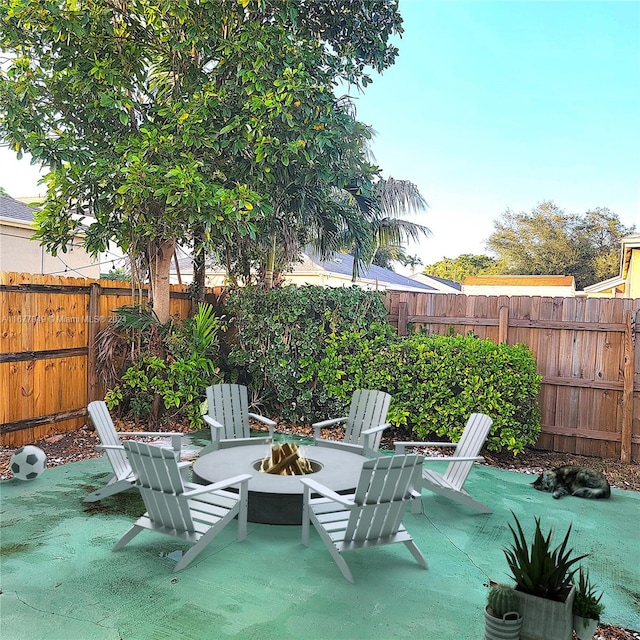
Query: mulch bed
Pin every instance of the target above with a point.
(80, 445)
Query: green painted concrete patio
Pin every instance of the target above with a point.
(61, 581)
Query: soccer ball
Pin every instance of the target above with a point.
(27, 463)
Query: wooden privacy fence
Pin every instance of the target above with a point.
(48, 326)
(586, 352)
(585, 348)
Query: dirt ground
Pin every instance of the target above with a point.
(80, 445)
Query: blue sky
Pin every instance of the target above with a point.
(496, 105)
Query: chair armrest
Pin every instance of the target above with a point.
(454, 459)
(234, 442)
(380, 427)
(259, 418)
(316, 487)
(211, 422)
(223, 484)
(325, 423)
(176, 436)
(110, 446)
(400, 446)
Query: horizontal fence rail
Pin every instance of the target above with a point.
(586, 352)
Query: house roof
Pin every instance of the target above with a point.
(342, 264)
(441, 284)
(519, 281)
(13, 209)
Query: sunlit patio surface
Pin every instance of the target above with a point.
(61, 581)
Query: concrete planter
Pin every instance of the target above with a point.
(505, 628)
(585, 628)
(544, 619)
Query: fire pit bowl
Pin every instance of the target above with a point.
(276, 499)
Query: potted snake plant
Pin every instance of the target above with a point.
(501, 618)
(587, 607)
(544, 583)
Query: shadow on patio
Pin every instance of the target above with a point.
(60, 580)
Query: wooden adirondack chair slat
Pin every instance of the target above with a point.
(451, 483)
(368, 410)
(228, 407)
(374, 513)
(196, 519)
(122, 477)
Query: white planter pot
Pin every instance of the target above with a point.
(544, 619)
(585, 628)
(505, 628)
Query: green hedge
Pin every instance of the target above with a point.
(304, 351)
(279, 337)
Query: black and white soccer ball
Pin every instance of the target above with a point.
(27, 463)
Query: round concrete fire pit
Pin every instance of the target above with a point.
(275, 499)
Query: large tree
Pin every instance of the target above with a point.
(467, 264)
(548, 241)
(178, 121)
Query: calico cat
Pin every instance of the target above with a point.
(581, 482)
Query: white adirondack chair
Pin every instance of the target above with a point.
(228, 417)
(189, 512)
(369, 518)
(364, 424)
(122, 477)
(451, 483)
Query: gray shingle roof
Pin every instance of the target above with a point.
(342, 263)
(16, 210)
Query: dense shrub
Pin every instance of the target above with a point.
(304, 352)
(169, 367)
(279, 338)
(437, 381)
(446, 378)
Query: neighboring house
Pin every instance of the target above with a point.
(627, 283)
(561, 286)
(18, 252)
(439, 284)
(325, 273)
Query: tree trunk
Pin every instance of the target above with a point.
(197, 287)
(271, 263)
(160, 256)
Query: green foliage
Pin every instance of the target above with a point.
(181, 122)
(587, 601)
(537, 568)
(458, 269)
(548, 241)
(281, 336)
(438, 381)
(173, 362)
(305, 351)
(443, 379)
(502, 599)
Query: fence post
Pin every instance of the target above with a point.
(627, 393)
(503, 324)
(95, 290)
(402, 318)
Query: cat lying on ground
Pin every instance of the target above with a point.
(569, 480)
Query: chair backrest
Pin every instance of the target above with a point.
(475, 433)
(160, 483)
(383, 491)
(108, 435)
(228, 404)
(368, 409)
